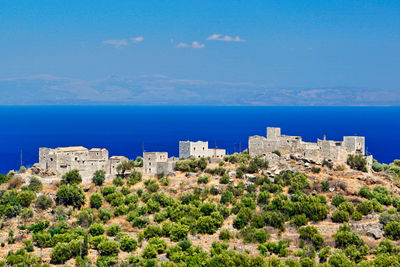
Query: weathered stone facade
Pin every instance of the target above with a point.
(158, 163)
(199, 149)
(63, 159)
(336, 151)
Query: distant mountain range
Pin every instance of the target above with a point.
(162, 90)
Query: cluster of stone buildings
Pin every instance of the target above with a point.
(63, 159)
(336, 151)
(158, 162)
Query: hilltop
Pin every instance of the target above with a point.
(242, 211)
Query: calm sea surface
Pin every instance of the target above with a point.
(123, 129)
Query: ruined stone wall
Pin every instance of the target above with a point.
(63, 160)
(354, 144)
(193, 149)
(151, 160)
(216, 153)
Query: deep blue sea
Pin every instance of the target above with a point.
(122, 130)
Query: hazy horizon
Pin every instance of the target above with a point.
(154, 52)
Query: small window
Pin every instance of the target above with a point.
(97, 153)
(149, 163)
(76, 158)
(194, 148)
(203, 148)
(51, 159)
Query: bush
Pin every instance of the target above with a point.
(315, 169)
(376, 166)
(225, 235)
(311, 235)
(347, 206)
(99, 177)
(151, 185)
(96, 229)
(325, 186)
(277, 152)
(365, 192)
(128, 244)
(113, 229)
(338, 199)
(134, 178)
(357, 162)
(15, 183)
(71, 195)
(300, 219)
(357, 216)
(71, 177)
(35, 184)
(96, 200)
(345, 238)
(227, 197)
(26, 197)
(365, 207)
(105, 214)
(44, 202)
(179, 232)
(392, 230)
(203, 179)
(224, 179)
(118, 181)
(108, 248)
(60, 253)
(27, 213)
(85, 217)
(340, 216)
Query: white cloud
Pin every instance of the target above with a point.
(194, 44)
(116, 43)
(137, 39)
(225, 38)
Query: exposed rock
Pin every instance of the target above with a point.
(87, 188)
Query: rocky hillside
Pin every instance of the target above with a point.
(240, 212)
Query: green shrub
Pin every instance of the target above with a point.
(339, 260)
(357, 216)
(365, 207)
(113, 229)
(315, 169)
(365, 192)
(179, 232)
(105, 214)
(85, 217)
(99, 177)
(71, 195)
(108, 248)
(71, 177)
(392, 230)
(151, 185)
(224, 179)
(25, 198)
(357, 162)
(300, 219)
(118, 181)
(338, 199)
(345, 238)
(225, 235)
(43, 202)
(96, 200)
(347, 206)
(96, 229)
(35, 184)
(60, 253)
(277, 152)
(203, 179)
(376, 166)
(340, 216)
(128, 244)
(311, 235)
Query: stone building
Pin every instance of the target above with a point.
(63, 159)
(199, 149)
(158, 163)
(336, 151)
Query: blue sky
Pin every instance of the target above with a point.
(271, 44)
